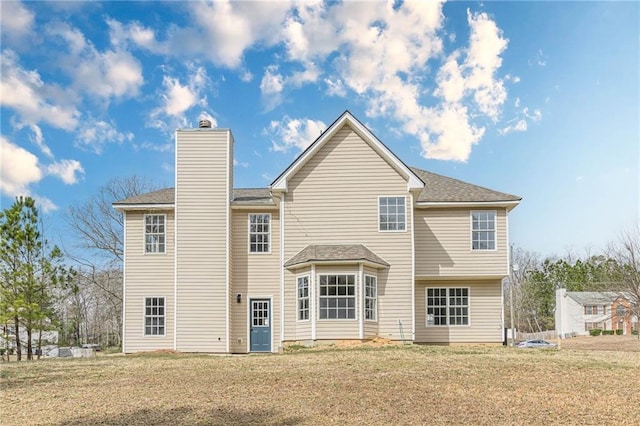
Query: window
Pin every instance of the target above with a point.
(154, 316)
(303, 298)
(392, 214)
(620, 311)
(483, 234)
(593, 309)
(447, 306)
(154, 233)
(259, 233)
(337, 299)
(370, 298)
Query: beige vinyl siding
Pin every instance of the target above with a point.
(485, 321)
(202, 197)
(443, 245)
(147, 275)
(333, 199)
(254, 275)
(301, 331)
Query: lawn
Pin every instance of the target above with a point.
(353, 385)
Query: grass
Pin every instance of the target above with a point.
(355, 385)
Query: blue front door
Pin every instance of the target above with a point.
(260, 325)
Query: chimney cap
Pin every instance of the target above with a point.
(204, 124)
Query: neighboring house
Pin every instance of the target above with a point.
(347, 243)
(8, 338)
(578, 312)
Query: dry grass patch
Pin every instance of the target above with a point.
(365, 385)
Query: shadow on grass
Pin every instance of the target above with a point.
(190, 416)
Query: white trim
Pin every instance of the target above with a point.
(394, 231)
(253, 206)
(258, 297)
(313, 302)
(249, 234)
(144, 235)
(308, 298)
(506, 224)
(122, 207)
(175, 249)
(426, 306)
(361, 307)
(144, 316)
(337, 263)
(229, 192)
(124, 281)
(479, 204)
(413, 181)
(495, 231)
(413, 271)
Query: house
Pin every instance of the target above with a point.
(347, 243)
(579, 312)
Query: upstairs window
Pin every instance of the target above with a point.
(391, 214)
(259, 233)
(483, 230)
(154, 233)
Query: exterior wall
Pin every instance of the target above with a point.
(203, 191)
(371, 327)
(147, 275)
(331, 200)
(485, 322)
(621, 322)
(254, 275)
(443, 245)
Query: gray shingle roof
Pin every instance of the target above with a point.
(440, 188)
(594, 297)
(437, 188)
(161, 196)
(242, 196)
(335, 252)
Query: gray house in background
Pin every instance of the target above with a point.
(347, 243)
(579, 312)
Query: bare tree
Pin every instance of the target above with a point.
(626, 253)
(98, 228)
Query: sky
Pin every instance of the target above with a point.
(536, 99)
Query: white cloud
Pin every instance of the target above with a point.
(293, 133)
(19, 169)
(246, 76)
(520, 122)
(26, 93)
(112, 73)
(242, 164)
(335, 87)
(15, 19)
(66, 170)
(271, 87)
(96, 133)
(179, 97)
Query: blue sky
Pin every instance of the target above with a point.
(538, 99)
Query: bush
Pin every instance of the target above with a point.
(607, 332)
(634, 332)
(619, 332)
(595, 332)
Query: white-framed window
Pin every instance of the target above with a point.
(155, 233)
(259, 233)
(594, 309)
(447, 306)
(303, 298)
(392, 214)
(370, 298)
(337, 296)
(154, 316)
(483, 230)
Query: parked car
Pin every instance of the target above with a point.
(93, 346)
(536, 343)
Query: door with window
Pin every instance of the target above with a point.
(260, 325)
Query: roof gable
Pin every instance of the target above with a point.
(413, 181)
